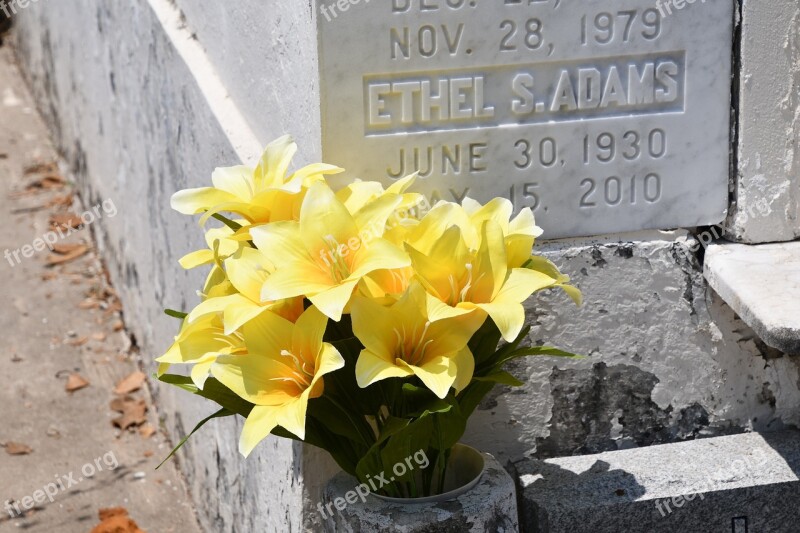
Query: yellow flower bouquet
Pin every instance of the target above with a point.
(363, 321)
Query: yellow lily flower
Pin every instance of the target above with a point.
(520, 233)
(261, 194)
(200, 343)
(464, 280)
(402, 341)
(325, 255)
(246, 270)
(219, 238)
(283, 370)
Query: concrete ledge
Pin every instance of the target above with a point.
(741, 483)
(762, 284)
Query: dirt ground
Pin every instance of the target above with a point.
(78, 433)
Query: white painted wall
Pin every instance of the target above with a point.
(265, 52)
(767, 184)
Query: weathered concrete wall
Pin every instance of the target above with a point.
(133, 120)
(666, 359)
(766, 187)
(146, 100)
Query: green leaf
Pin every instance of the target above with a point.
(435, 430)
(417, 400)
(352, 426)
(471, 397)
(495, 361)
(228, 222)
(484, 342)
(219, 414)
(175, 314)
(537, 351)
(502, 377)
(212, 390)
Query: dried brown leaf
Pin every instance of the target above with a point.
(79, 341)
(66, 248)
(17, 448)
(76, 382)
(64, 200)
(133, 413)
(53, 260)
(65, 221)
(41, 168)
(116, 520)
(131, 383)
(89, 303)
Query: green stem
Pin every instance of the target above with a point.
(367, 436)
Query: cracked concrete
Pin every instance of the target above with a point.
(667, 360)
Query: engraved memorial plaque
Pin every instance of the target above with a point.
(602, 115)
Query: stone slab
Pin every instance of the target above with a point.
(762, 284)
(741, 483)
(490, 507)
(602, 117)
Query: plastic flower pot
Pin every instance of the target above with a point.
(479, 497)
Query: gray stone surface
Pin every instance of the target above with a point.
(666, 359)
(601, 118)
(762, 284)
(738, 483)
(490, 507)
(766, 202)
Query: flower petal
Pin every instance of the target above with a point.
(371, 368)
(196, 259)
(325, 223)
(509, 317)
(378, 255)
(281, 240)
(333, 300)
(465, 363)
(257, 379)
(271, 170)
(194, 201)
(308, 332)
(438, 374)
(247, 270)
(374, 326)
(297, 279)
(240, 311)
(292, 415)
(259, 424)
(237, 180)
(267, 334)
